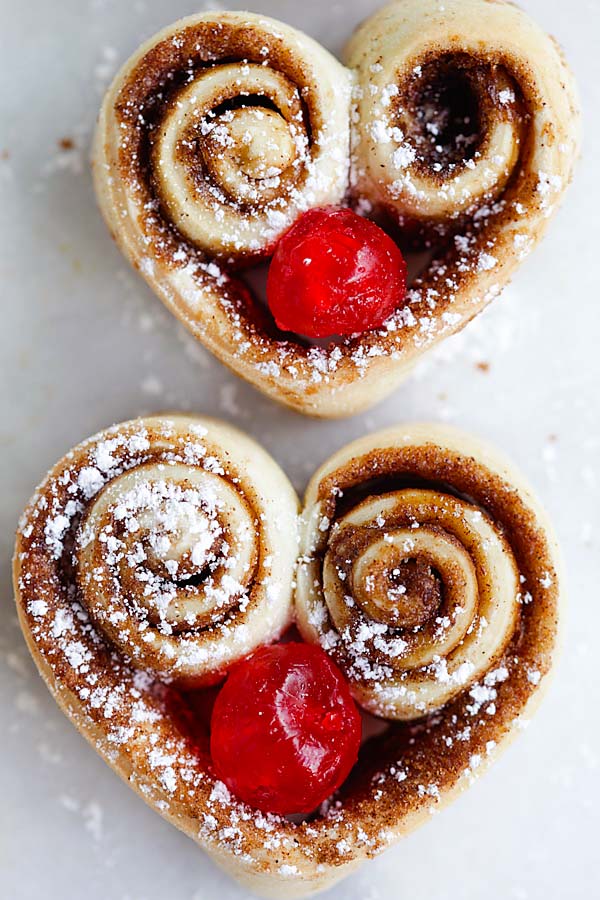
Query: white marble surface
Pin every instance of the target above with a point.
(84, 343)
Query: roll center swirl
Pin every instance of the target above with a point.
(178, 541)
(179, 538)
(395, 589)
(259, 140)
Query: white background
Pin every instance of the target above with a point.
(83, 343)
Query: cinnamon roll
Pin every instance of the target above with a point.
(130, 540)
(224, 128)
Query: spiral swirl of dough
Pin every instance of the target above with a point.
(176, 536)
(465, 119)
(215, 136)
(414, 588)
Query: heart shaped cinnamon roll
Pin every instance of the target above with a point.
(458, 124)
(157, 554)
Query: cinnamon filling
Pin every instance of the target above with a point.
(448, 107)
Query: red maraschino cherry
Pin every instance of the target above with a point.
(335, 272)
(285, 731)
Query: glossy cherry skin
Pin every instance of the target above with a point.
(335, 273)
(285, 731)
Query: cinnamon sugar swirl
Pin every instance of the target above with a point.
(173, 538)
(465, 135)
(422, 555)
